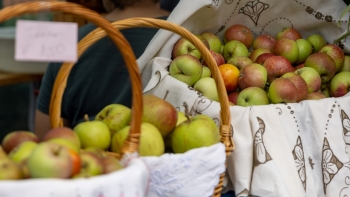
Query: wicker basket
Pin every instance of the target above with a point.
(99, 33)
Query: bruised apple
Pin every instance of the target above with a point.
(276, 66)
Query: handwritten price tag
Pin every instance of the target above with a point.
(46, 41)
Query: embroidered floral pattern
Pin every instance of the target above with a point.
(299, 159)
(253, 9)
(260, 154)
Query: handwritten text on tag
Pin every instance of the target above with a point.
(46, 41)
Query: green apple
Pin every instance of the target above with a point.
(116, 116)
(323, 64)
(10, 170)
(239, 61)
(186, 68)
(305, 50)
(311, 77)
(207, 87)
(253, 75)
(180, 118)
(50, 160)
(340, 84)
(184, 46)
(235, 48)
(287, 48)
(63, 133)
(159, 113)
(317, 42)
(94, 133)
(325, 89)
(251, 96)
(213, 40)
(346, 64)
(21, 152)
(2, 152)
(91, 166)
(206, 72)
(151, 140)
(196, 132)
(14, 138)
(111, 164)
(336, 53)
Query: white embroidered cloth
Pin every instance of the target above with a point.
(281, 150)
(131, 181)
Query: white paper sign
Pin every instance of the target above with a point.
(46, 41)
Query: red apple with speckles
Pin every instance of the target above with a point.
(289, 33)
(263, 41)
(240, 33)
(276, 66)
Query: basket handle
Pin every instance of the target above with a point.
(116, 36)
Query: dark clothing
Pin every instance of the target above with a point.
(99, 77)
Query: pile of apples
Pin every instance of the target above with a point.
(93, 147)
(266, 69)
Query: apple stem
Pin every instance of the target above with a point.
(187, 112)
(86, 118)
(166, 94)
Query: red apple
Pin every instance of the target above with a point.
(65, 133)
(323, 64)
(336, 53)
(264, 41)
(14, 138)
(289, 33)
(256, 52)
(253, 75)
(276, 66)
(262, 57)
(219, 59)
(289, 88)
(232, 96)
(287, 48)
(340, 84)
(240, 33)
(300, 66)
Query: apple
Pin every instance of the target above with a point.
(229, 74)
(311, 77)
(65, 143)
(186, 68)
(214, 41)
(289, 88)
(206, 72)
(232, 96)
(240, 33)
(21, 152)
(317, 42)
(151, 140)
(49, 160)
(264, 41)
(10, 170)
(315, 96)
(91, 166)
(160, 113)
(180, 118)
(94, 133)
(219, 59)
(239, 61)
(204, 41)
(346, 64)
(336, 53)
(207, 87)
(65, 133)
(340, 84)
(253, 75)
(302, 65)
(251, 96)
(2, 152)
(184, 46)
(289, 33)
(287, 48)
(256, 52)
(196, 132)
(98, 152)
(235, 48)
(111, 164)
(14, 138)
(323, 64)
(276, 66)
(325, 89)
(262, 57)
(305, 50)
(116, 116)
